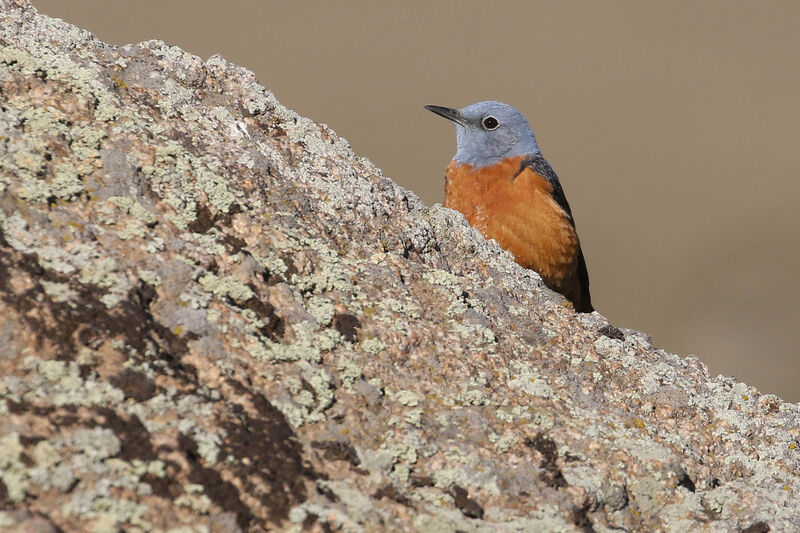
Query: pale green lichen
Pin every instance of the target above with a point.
(332, 515)
(525, 415)
(400, 474)
(293, 413)
(227, 286)
(104, 273)
(56, 370)
(606, 346)
(373, 346)
(111, 299)
(82, 80)
(322, 384)
(54, 258)
(391, 306)
(472, 397)
(155, 245)
(403, 451)
(66, 387)
(308, 405)
(329, 273)
(457, 308)
(150, 277)
(66, 183)
(110, 513)
(155, 467)
(215, 187)
(133, 229)
(526, 379)
(208, 445)
(442, 278)
(483, 336)
(95, 443)
(349, 370)
(6, 520)
(265, 350)
(297, 515)
(414, 417)
(328, 339)
(195, 297)
(15, 232)
(455, 454)
(445, 477)
(195, 407)
(432, 495)
(45, 454)
(194, 499)
(209, 241)
(85, 144)
(502, 444)
(406, 397)
(321, 308)
(162, 182)
(12, 469)
(131, 206)
(273, 264)
(106, 214)
(174, 98)
(177, 188)
(309, 344)
(252, 322)
(27, 163)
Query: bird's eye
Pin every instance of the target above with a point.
(490, 123)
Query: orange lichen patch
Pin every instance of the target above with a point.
(121, 84)
(518, 210)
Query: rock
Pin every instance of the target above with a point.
(214, 316)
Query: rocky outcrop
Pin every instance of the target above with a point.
(215, 317)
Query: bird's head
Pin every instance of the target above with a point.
(488, 132)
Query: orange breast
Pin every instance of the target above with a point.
(519, 213)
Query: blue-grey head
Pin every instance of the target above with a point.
(488, 132)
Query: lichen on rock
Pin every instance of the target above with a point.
(215, 316)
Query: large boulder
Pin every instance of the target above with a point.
(215, 317)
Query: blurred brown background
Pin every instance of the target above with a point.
(674, 128)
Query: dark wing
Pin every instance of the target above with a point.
(539, 164)
(580, 298)
(583, 302)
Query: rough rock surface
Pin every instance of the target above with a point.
(215, 317)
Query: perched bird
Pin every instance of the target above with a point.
(500, 182)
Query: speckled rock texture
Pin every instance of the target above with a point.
(214, 317)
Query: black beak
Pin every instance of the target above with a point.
(448, 113)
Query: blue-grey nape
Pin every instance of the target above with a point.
(488, 132)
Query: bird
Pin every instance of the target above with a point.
(504, 187)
